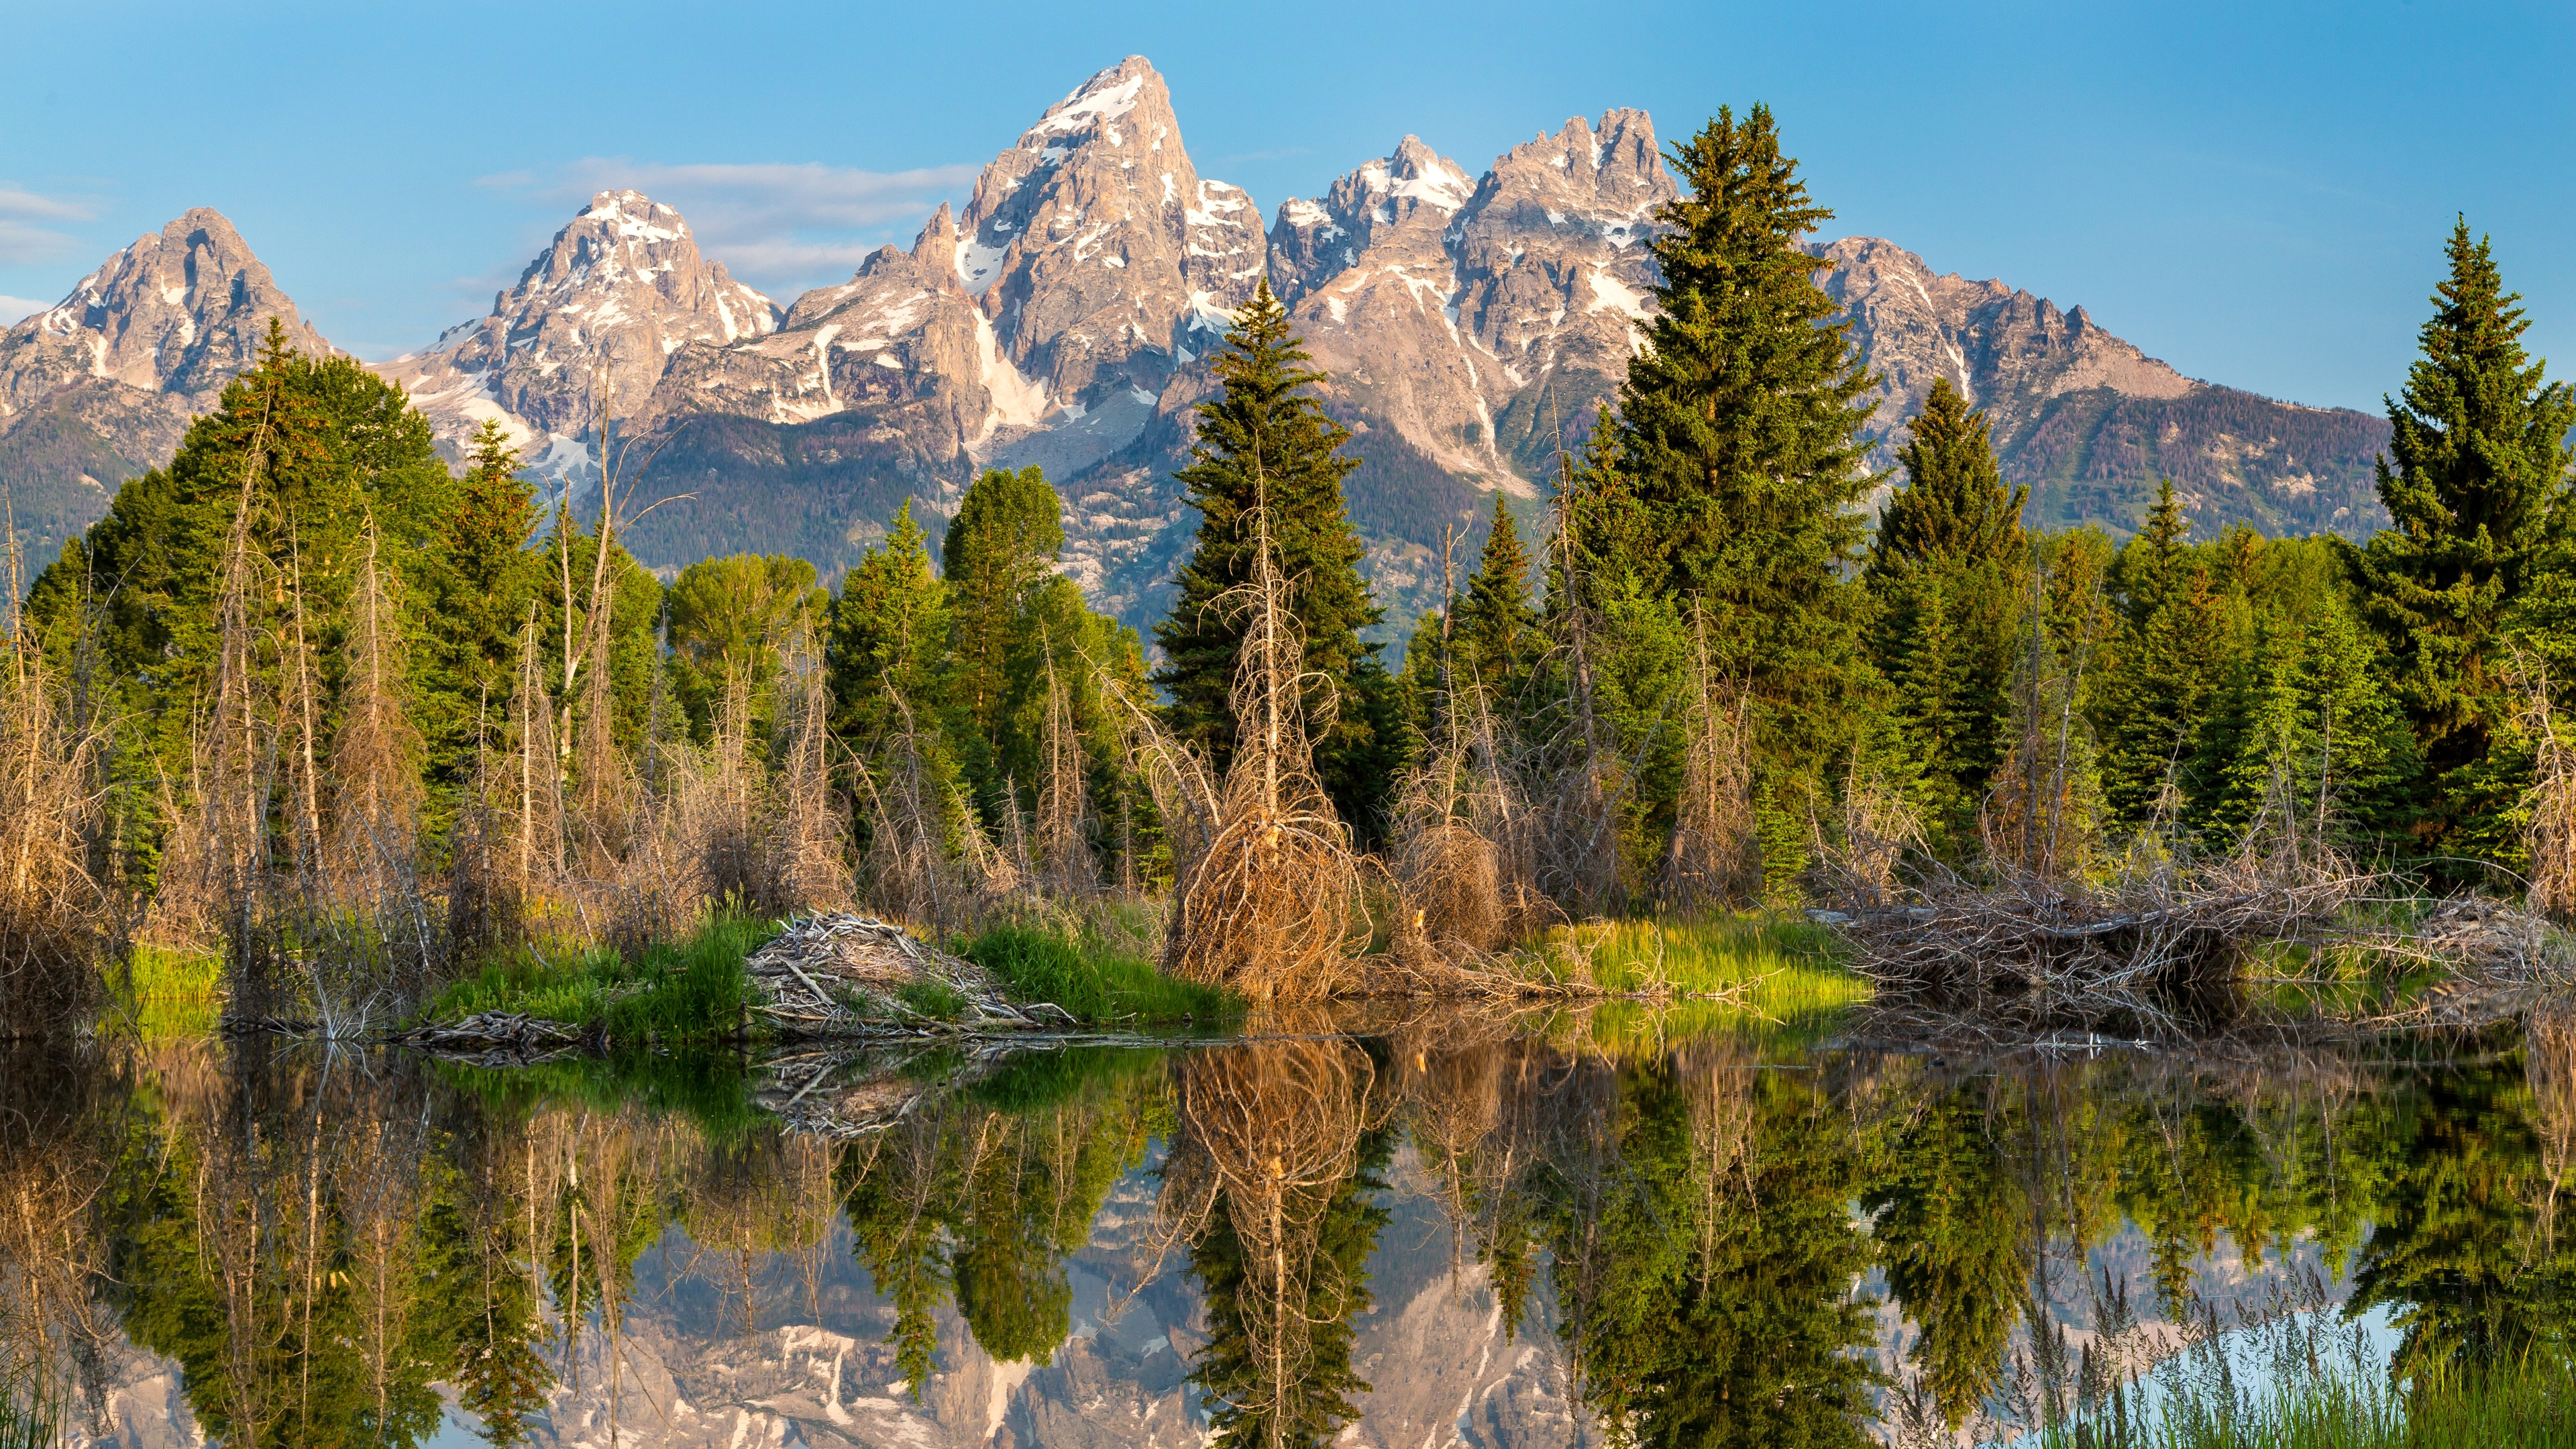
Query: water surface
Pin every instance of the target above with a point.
(1460, 1231)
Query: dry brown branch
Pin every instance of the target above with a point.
(2550, 832)
(2144, 949)
(376, 756)
(908, 868)
(806, 836)
(55, 918)
(1063, 848)
(1270, 908)
(836, 974)
(1715, 858)
(1269, 1132)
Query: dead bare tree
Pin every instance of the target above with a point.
(807, 839)
(1715, 858)
(2549, 834)
(1270, 907)
(1064, 807)
(55, 916)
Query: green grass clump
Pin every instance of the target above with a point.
(2331, 1406)
(159, 993)
(931, 997)
(710, 1088)
(689, 990)
(1032, 1080)
(1792, 964)
(31, 1416)
(1092, 980)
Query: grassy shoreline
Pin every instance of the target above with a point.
(1698, 972)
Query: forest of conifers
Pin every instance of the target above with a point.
(307, 682)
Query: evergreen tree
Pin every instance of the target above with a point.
(1954, 505)
(326, 446)
(889, 631)
(1001, 546)
(1948, 1231)
(1739, 433)
(2477, 470)
(2305, 722)
(2162, 668)
(484, 577)
(1264, 441)
(1496, 624)
(1950, 572)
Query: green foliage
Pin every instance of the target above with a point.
(1498, 640)
(1265, 442)
(326, 447)
(1949, 1232)
(988, 1208)
(2477, 473)
(1001, 549)
(933, 998)
(483, 578)
(730, 618)
(1093, 980)
(889, 633)
(1738, 446)
(1949, 573)
(689, 990)
(1698, 1318)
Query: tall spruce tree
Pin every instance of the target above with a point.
(2163, 665)
(1949, 570)
(2475, 480)
(1739, 432)
(889, 633)
(1265, 441)
(1496, 635)
(484, 579)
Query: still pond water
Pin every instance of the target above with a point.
(1414, 1235)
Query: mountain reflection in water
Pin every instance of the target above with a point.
(1453, 1233)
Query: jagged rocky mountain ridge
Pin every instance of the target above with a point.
(591, 324)
(1471, 325)
(103, 385)
(2089, 421)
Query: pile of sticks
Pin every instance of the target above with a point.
(2072, 947)
(511, 1034)
(844, 975)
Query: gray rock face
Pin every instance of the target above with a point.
(2085, 418)
(104, 385)
(1471, 326)
(177, 314)
(1482, 320)
(2007, 350)
(1094, 247)
(619, 291)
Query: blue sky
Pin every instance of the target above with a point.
(2256, 193)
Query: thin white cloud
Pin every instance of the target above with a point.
(14, 310)
(780, 226)
(23, 235)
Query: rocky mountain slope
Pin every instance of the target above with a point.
(1471, 323)
(101, 387)
(2089, 421)
(592, 323)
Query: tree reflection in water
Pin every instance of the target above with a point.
(1698, 1238)
(1273, 1171)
